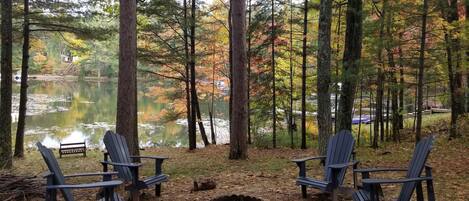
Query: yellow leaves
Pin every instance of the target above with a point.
(37, 45)
(74, 41)
(39, 58)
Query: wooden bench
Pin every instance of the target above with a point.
(72, 148)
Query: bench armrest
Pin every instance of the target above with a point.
(91, 174)
(105, 184)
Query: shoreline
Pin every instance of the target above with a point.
(48, 77)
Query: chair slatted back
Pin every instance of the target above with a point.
(119, 152)
(54, 168)
(421, 152)
(339, 151)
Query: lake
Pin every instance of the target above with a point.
(77, 111)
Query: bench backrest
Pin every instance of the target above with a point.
(421, 152)
(54, 168)
(339, 151)
(118, 150)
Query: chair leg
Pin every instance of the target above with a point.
(51, 195)
(304, 193)
(334, 195)
(107, 194)
(158, 190)
(135, 195)
(419, 191)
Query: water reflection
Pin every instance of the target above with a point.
(83, 111)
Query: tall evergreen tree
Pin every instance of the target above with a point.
(324, 74)
(421, 71)
(379, 128)
(454, 63)
(238, 141)
(19, 141)
(303, 76)
(274, 89)
(126, 120)
(351, 63)
(6, 85)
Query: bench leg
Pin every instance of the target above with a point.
(158, 190)
(304, 192)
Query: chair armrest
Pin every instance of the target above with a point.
(380, 170)
(158, 162)
(395, 181)
(91, 174)
(122, 164)
(308, 158)
(339, 166)
(302, 164)
(151, 157)
(105, 184)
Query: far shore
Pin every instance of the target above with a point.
(48, 77)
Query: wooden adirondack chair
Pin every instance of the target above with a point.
(124, 164)
(56, 180)
(413, 180)
(339, 151)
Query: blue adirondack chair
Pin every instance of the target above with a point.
(338, 158)
(56, 180)
(413, 180)
(124, 164)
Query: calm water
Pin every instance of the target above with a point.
(82, 111)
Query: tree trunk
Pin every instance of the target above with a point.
(371, 113)
(211, 111)
(360, 115)
(303, 77)
(230, 52)
(351, 63)
(455, 70)
(249, 72)
(200, 120)
(290, 117)
(324, 74)
(238, 142)
(388, 100)
(418, 133)
(395, 119)
(19, 143)
(401, 86)
(274, 90)
(379, 120)
(336, 87)
(193, 138)
(190, 126)
(467, 58)
(6, 85)
(127, 85)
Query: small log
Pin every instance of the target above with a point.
(204, 184)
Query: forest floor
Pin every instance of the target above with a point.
(268, 174)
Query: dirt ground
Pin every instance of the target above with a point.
(268, 174)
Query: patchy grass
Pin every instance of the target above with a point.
(268, 173)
